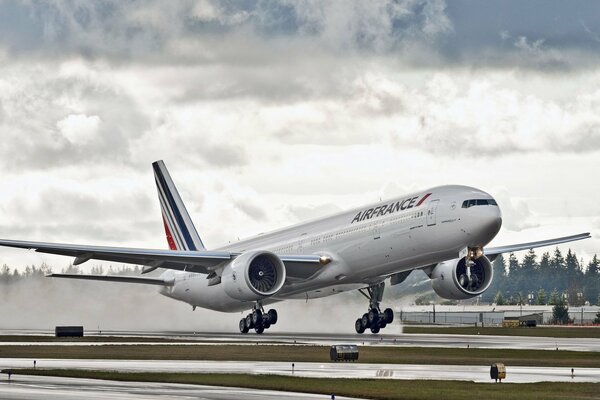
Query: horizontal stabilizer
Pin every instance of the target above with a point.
(116, 278)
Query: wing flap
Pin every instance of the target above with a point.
(116, 278)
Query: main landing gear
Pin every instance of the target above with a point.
(374, 319)
(258, 320)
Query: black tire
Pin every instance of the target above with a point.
(388, 314)
(272, 316)
(243, 327)
(257, 317)
(373, 316)
(249, 323)
(374, 329)
(358, 325)
(382, 323)
(365, 321)
(259, 329)
(266, 324)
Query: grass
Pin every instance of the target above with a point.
(557, 332)
(91, 339)
(291, 353)
(364, 388)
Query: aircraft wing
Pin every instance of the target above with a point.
(192, 261)
(116, 278)
(493, 252)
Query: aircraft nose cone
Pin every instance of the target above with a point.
(491, 222)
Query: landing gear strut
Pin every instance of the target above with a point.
(258, 320)
(374, 319)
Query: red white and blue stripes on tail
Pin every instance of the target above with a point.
(180, 231)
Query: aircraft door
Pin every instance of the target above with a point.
(431, 212)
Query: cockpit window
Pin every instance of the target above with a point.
(479, 202)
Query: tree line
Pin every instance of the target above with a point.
(550, 279)
(10, 275)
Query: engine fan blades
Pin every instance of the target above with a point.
(262, 274)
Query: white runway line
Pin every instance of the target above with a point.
(476, 373)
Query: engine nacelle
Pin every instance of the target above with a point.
(451, 280)
(253, 275)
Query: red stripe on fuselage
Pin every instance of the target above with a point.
(169, 236)
(423, 199)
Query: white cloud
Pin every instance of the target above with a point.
(278, 112)
(79, 128)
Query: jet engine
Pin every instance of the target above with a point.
(253, 276)
(463, 278)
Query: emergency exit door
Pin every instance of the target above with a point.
(431, 212)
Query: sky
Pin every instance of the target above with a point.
(268, 113)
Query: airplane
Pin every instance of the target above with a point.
(443, 231)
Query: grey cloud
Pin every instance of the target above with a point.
(38, 101)
(252, 210)
(418, 32)
(304, 213)
(61, 214)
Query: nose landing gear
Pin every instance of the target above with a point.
(258, 320)
(374, 319)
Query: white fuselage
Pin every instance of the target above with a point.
(366, 245)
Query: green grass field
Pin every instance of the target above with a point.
(291, 353)
(558, 332)
(364, 388)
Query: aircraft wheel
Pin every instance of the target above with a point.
(388, 314)
(257, 317)
(249, 322)
(382, 323)
(373, 316)
(365, 320)
(374, 329)
(243, 327)
(259, 329)
(358, 325)
(272, 316)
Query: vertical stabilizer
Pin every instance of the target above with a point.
(179, 228)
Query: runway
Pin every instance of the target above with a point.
(407, 340)
(55, 388)
(476, 373)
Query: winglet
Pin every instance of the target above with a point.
(179, 228)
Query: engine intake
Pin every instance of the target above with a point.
(254, 275)
(455, 280)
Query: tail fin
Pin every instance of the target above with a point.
(181, 233)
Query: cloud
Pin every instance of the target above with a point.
(271, 112)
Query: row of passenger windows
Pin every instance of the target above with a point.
(479, 202)
(289, 248)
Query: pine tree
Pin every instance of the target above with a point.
(544, 274)
(541, 297)
(592, 279)
(514, 277)
(560, 313)
(554, 298)
(558, 270)
(499, 299)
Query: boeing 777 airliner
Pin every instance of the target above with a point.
(443, 231)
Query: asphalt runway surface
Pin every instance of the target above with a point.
(476, 373)
(54, 388)
(408, 340)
